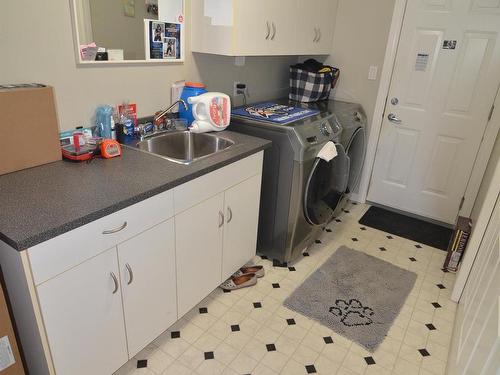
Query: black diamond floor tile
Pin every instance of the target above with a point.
(418, 246)
(291, 322)
(276, 285)
(318, 241)
(271, 347)
(235, 328)
(203, 310)
(369, 360)
(311, 369)
(440, 286)
(142, 363)
(431, 327)
(209, 355)
(424, 352)
(175, 334)
(354, 239)
(382, 248)
(328, 340)
(305, 254)
(436, 305)
(328, 230)
(257, 305)
(292, 269)
(413, 259)
(363, 228)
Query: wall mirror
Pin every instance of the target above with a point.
(128, 31)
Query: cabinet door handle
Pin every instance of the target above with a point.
(315, 35)
(130, 274)
(268, 30)
(319, 34)
(221, 219)
(116, 230)
(115, 280)
(274, 31)
(230, 214)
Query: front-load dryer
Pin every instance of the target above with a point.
(300, 193)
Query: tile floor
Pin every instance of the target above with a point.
(250, 332)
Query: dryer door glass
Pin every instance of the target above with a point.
(326, 184)
(356, 153)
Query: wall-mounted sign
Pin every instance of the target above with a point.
(449, 44)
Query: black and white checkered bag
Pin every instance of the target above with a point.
(309, 87)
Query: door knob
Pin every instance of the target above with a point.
(393, 118)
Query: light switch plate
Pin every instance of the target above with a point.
(372, 73)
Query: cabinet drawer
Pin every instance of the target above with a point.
(61, 253)
(196, 191)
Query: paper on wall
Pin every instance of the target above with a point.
(6, 355)
(220, 11)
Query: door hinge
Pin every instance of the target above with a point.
(491, 112)
(461, 204)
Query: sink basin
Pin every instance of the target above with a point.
(185, 147)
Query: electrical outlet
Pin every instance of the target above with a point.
(238, 89)
(372, 73)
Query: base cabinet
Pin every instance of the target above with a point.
(242, 220)
(96, 308)
(198, 236)
(148, 283)
(83, 316)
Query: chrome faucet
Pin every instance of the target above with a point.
(158, 126)
(162, 114)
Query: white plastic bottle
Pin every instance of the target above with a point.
(212, 112)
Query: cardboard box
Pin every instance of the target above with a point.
(10, 358)
(29, 131)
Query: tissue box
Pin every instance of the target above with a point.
(29, 131)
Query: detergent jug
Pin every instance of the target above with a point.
(211, 111)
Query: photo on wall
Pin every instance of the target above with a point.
(163, 40)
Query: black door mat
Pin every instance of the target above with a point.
(407, 227)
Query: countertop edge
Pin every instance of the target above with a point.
(72, 225)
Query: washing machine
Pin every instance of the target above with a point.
(301, 193)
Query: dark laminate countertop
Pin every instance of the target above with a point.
(40, 203)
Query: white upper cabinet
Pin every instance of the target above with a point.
(316, 34)
(263, 27)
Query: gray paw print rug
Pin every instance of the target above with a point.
(354, 294)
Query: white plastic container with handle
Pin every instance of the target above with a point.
(211, 111)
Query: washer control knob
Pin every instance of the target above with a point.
(325, 129)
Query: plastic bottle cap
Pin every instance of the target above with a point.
(195, 84)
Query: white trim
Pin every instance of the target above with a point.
(81, 63)
(383, 90)
(482, 158)
(488, 205)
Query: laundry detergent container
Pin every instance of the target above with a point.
(190, 90)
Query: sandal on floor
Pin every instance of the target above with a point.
(259, 271)
(239, 282)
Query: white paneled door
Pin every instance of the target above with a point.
(445, 77)
(476, 340)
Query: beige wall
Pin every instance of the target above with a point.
(360, 38)
(44, 52)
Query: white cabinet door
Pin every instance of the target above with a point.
(242, 219)
(83, 316)
(317, 20)
(284, 28)
(198, 238)
(147, 268)
(265, 27)
(252, 27)
(324, 18)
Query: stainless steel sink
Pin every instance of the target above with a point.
(185, 147)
